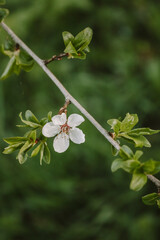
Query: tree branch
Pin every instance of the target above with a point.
(55, 57)
(69, 98)
(66, 94)
(155, 180)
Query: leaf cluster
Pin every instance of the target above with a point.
(19, 59)
(33, 142)
(3, 11)
(129, 161)
(124, 129)
(77, 46)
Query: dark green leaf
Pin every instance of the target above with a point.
(80, 55)
(151, 167)
(130, 165)
(13, 148)
(83, 39)
(29, 123)
(14, 140)
(125, 152)
(117, 163)
(139, 179)
(150, 199)
(86, 50)
(43, 121)
(139, 141)
(129, 122)
(46, 154)
(49, 116)
(31, 117)
(3, 13)
(115, 125)
(32, 136)
(114, 151)
(41, 153)
(143, 131)
(138, 154)
(67, 37)
(22, 155)
(36, 150)
(24, 60)
(158, 203)
(70, 49)
(9, 69)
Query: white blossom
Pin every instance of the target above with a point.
(65, 129)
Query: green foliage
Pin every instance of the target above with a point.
(151, 199)
(3, 12)
(19, 59)
(124, 129)
(77, 46)
(33, 140)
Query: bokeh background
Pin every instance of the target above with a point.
(77, 196)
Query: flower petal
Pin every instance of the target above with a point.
(75, 120)
(61, 143)
(76, 135)
(50, 130)
(59, 119)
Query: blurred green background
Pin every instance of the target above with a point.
(77, 196)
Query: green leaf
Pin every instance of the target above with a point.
(32, 136)
(86, 50)
(150, 199)
(115, 125)
(29, 123)
(70, 49)
(139, 179)
(151, 167)
(67, 37)
(158, 203)
(117, 163)
(3, 13)
(83, 39)
(139, 141)
(9, 69)
(24, 60)
(80, 55)
(22, 158)
(14, 140)
(130, 165)
(46, 154)
(41, 153)
(36, 150)
(138, 154)
(125, 152)
(31, 117)
(12, 148)
(143, 131)
(43, 121)
(114, 151)
(129, 122)
(22, 155)
(49, 116)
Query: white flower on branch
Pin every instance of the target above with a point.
(65, 129)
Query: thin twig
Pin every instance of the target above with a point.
(66, 94)
(55, 57)
(64, 108)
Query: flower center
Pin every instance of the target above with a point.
(65, 128)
